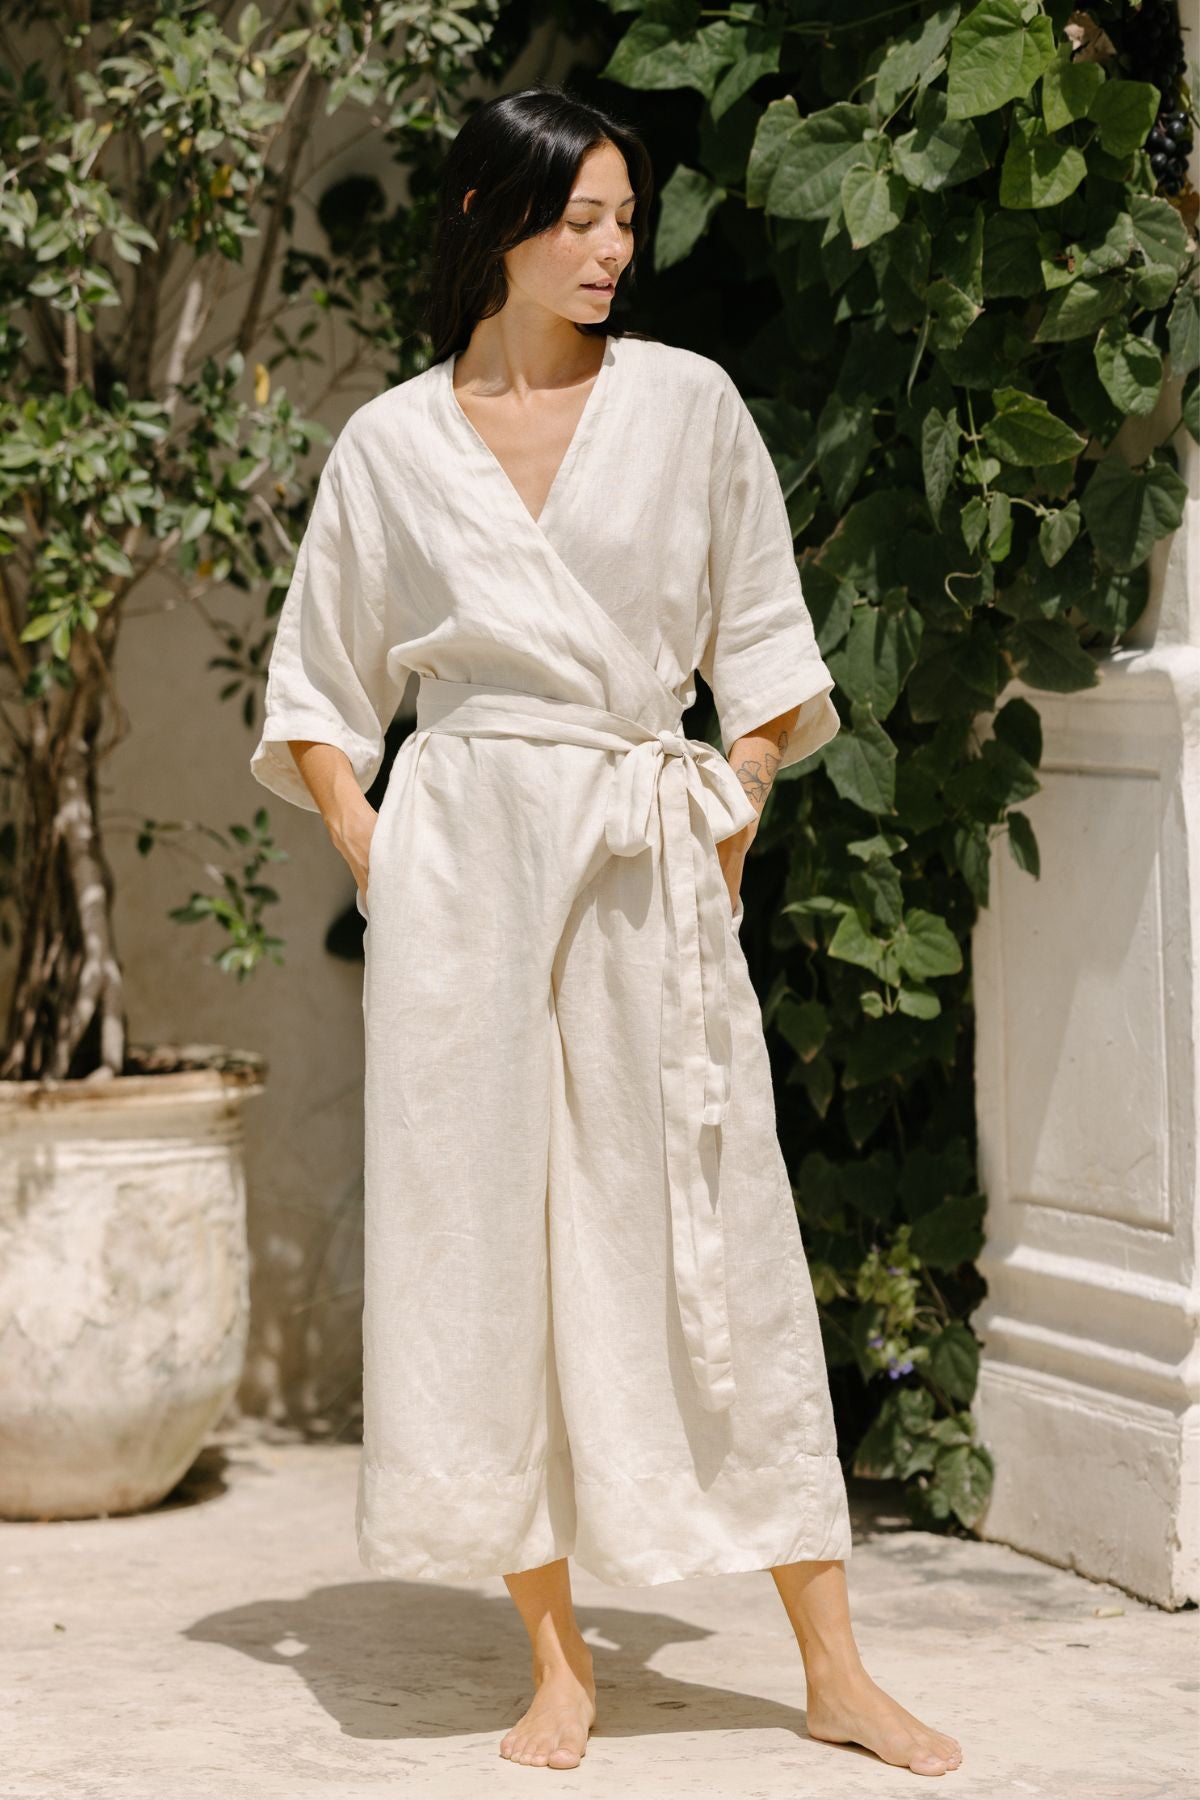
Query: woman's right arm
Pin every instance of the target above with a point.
(330, 695)
(328, 774)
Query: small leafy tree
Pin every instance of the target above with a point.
(955, 247)
(146, 153)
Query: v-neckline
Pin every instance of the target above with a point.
(569, 454)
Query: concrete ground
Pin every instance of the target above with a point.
(229, 1644)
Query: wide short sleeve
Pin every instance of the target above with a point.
(761, 658)
(328, 677)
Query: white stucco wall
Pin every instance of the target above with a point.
(1087, 991)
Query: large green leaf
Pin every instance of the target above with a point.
(894, 1447)
(939, 152)
(1184, 331)
(1011, 264)
(853, 943)
(940, 437)
(689, 199)
(1023, 844)
(873, 202)
(1130, 367)
(878, 892)
(1019, 725)
(652, 55)
(814, 158)
(951, 1233)
(1160, 232)
(1047, 654)
(911, 57)
(954, 1361)
(965, 1474)
(1024, 431)
(926, 946)
(1123, 112)
(958, 249)
(1068, 89)
(861, 762)
(804, 1024)
(988, 59)
(1127, 510)
(878, 653)
(987, 784)
(775, 126)
(1038, 170)
(756, 50)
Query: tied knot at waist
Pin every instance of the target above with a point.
(679, 794)
(630, 823)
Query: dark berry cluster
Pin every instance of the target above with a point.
(1152, 50)
(1170, 146)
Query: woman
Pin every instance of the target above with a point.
(589, 1326)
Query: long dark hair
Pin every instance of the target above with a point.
(521, 152)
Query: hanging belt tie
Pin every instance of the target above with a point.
(667, 769)
(680, 794)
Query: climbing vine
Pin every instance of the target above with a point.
(948, 251)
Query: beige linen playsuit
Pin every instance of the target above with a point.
(588, 1322)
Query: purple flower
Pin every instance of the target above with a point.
(875, 1342)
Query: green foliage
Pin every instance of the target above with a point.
(965, 283)
(236, 900)
(147, 167)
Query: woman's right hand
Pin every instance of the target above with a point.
(353, 840)
(349, 817)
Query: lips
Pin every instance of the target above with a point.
(599, 287)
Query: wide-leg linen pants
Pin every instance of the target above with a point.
(527, 1387)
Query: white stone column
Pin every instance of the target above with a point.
(1087, 991)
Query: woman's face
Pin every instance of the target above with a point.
(573, 268)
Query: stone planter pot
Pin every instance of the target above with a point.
(124, 1280)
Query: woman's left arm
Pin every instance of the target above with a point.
(754, 759)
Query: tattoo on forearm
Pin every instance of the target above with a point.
(756, 776)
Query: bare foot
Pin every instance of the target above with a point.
(553, 1732)
(851, 1708)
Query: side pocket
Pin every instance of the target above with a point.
(392, 821)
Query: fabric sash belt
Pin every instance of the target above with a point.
(680, 794)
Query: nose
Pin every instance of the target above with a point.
(613, 255)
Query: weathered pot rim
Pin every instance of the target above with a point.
(242, 1071)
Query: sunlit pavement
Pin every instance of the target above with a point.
(230, 1644)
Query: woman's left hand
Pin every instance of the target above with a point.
(754, 757)
(732, 853)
